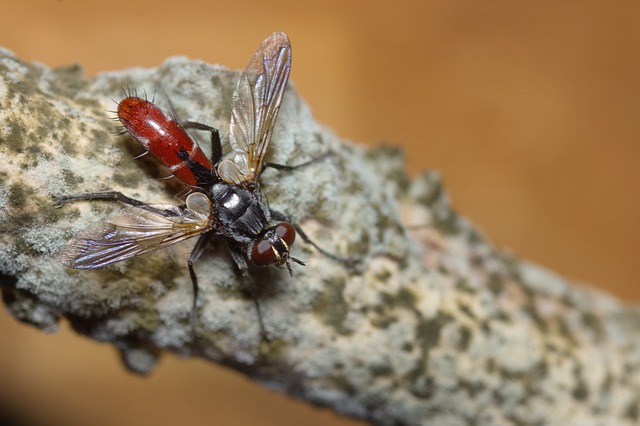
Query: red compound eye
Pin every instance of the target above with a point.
(286, 232)
(262, 253)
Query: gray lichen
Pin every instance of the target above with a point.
(436, 326)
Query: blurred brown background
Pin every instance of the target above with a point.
(529, 109)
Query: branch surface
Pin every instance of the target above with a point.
(437, 326)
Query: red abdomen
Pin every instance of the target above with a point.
(166, 140)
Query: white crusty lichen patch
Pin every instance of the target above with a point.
(434, 325)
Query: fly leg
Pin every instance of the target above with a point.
(198, 249)
(297, 166)
(59, 201)
(347, 262)
(216, 144)
(241, 263)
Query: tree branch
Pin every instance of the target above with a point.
(437, 326)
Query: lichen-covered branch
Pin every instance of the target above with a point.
(436, 326)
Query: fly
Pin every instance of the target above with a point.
(225, 202)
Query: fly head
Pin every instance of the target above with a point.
(273, 245)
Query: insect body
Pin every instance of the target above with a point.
(225, 200)
(161, 135)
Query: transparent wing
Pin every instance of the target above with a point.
(134, 232)
(254, 108)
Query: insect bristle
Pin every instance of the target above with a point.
(119, 130)
(145, 152)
